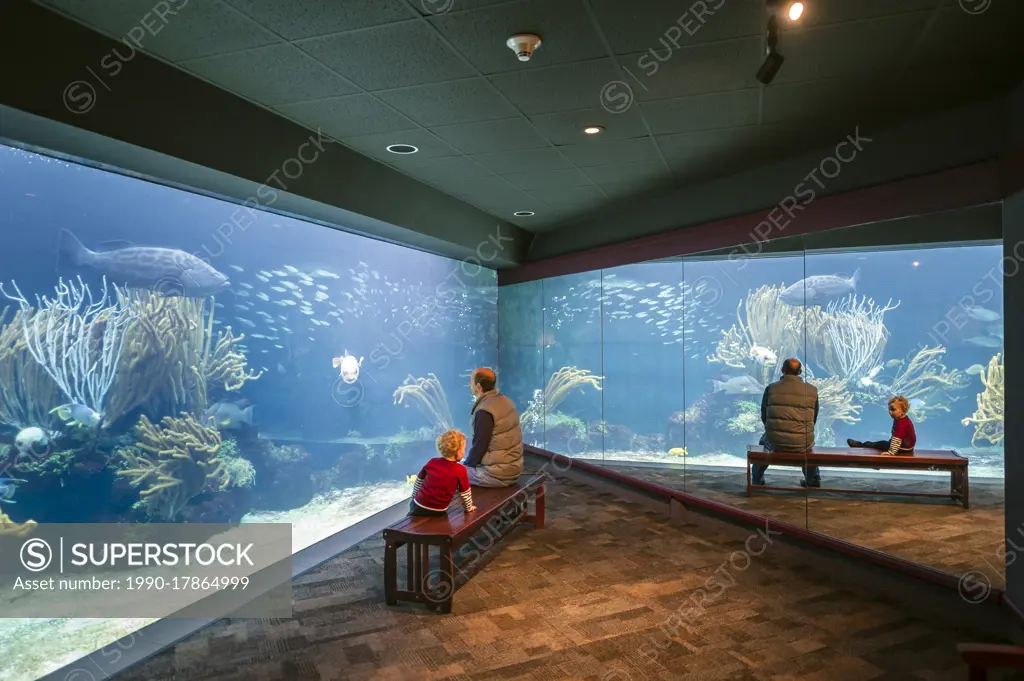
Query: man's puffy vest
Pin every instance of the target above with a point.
(504, 457)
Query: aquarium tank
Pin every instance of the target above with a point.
(171, 357)
(664, 363)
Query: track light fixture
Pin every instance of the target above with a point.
(773, 60)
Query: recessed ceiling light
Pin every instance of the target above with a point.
(593, 129)
(796, 10)
(523, 213)
(402, 149)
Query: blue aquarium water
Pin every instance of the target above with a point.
(667, 361)
(318, 366)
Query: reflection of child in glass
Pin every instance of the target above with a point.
(903, 437)
(441, 478)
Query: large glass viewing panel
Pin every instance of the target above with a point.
(924, 324)
(325, 364)
(688, 346)
(746, 321)
(571, 403)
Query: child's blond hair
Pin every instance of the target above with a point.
(901, 402)
(450, 443)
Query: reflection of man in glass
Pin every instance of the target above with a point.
(495, 458)
(789, 410)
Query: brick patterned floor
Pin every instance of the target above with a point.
(938, 533)
(604, 593)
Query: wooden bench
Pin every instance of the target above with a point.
(448, 533)
(853, 457)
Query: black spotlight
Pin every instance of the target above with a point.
(773, 60)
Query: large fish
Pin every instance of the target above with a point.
(820, 286)
(165, 270)
(737, 385)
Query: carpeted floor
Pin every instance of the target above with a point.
(605, 592)
(938, 533)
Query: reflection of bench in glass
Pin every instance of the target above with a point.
(498, 510)
(850, 457)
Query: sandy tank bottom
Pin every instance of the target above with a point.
(32, 648)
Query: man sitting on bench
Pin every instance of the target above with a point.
(904, 436)
(789, 410)
(496, 452)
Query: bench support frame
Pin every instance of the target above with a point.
(437, 587)
(959, 485)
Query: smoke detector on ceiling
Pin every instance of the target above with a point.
(523, 45)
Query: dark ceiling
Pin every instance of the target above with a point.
(506, 136)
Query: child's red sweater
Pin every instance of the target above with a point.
(438, 482)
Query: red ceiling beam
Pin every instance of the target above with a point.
(957, 188)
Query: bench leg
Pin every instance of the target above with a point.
(748, 479)
(447, 589)
(539, 510)
(966, 491)
(390, 573)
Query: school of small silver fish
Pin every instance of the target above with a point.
(276, 306)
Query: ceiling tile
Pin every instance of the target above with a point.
(628, 173)
(566, 127)
(524, 161)
(558, 88)
(349, 116)
(480, 34)
(611, 153)
(489, 136)
(702, 112)
(632, 190)
(391, 56)
(451, 167)
(570, 196)
(793, 102)
(696, 70)
(542, 179)
(986, 39)
(489, 190)
(295, 19)
(376, 145)
(825, 52)
(200, 29)
(276, 74)
(666, 25)
(707, 143)
(458, 101)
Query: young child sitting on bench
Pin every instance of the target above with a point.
(441, 478)
(903, 438)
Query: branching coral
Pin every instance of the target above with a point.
(77, 338)
(428, 395)
(10, 528)
(163, 345)
(561, 383)
(27, 392)
(175, 461)
(764, 321)
(928, 380)
(171, 359)
(747, 420)
(988, 419)
(853, 337)
(223, 365)
(835, 403)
